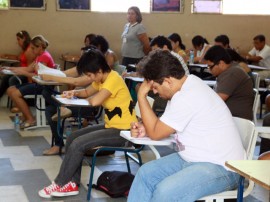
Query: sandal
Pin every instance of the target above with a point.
(27, 125)
(55, 150)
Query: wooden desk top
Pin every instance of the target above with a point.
(10, 61)
(70, 58)
(255, 170)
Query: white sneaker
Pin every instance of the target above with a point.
(46, 191)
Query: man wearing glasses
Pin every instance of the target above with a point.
(234, 86)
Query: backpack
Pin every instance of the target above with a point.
(114, 183)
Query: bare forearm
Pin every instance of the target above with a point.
(253, 58)
(80, 81)
(149, 118)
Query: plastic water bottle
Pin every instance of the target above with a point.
(191, 57)
(68, 130)
(17, 122)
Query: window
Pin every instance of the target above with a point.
(238, 7)
(4, 4)
(207, 6)
(252, 7)
(119, 5)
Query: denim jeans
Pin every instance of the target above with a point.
(172, 179)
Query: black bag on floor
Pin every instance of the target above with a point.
(114, 183)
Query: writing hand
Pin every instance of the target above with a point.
(68, 94)
(137, 130)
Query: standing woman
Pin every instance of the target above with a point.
(26, 57)
(16, 93)
(135, 42)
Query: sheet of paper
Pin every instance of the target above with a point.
(138, 79)
(146, 140)
(46, 70)
(67, 101)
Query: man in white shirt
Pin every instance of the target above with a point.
(260, 55)
(205, 134)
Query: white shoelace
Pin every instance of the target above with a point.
(52, 187)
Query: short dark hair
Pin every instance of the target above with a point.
(259, 37)
(217, 53)
(92, 61)
(161, 41)
(224, 39)
(101, 43)
(160, 64)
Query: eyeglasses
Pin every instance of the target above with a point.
(212, 66)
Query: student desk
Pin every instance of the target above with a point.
(147, 141)
(201, 67)
(65, 102)
(8, 61)
(210, 83)
(255, 67)
(255, 170)
(40, 103)
(72, 59)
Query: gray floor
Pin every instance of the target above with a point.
(24, 171)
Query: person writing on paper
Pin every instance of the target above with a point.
(16, 93)
(204, 131)
(25, 58)
(109, 90)
(74, 79)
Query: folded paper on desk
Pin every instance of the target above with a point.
(146, 140)
(42, 69)
(67, 101)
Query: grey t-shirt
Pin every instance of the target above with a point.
(238, 85)
(131, 45)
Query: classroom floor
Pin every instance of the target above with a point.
(24, 170)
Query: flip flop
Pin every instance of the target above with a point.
(27, 125)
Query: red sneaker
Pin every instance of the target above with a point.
(69, 189)
(46, 191)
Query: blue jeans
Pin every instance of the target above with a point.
(172, 179)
